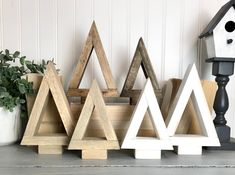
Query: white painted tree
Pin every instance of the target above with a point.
(189, 144)
(147, 147)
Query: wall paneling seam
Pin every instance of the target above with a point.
(1, 25)
(181, 41)
(163, 39)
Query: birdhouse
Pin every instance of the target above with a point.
(219, 35)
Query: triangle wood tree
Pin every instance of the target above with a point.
(147, 147)
(94, 148)
(142, 59)
(49, 143)
(191, 144)
(93, 42)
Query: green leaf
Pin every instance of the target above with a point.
(22, 89)
(2, 56)
(22, 101)
(16, 54)
(7, 52)
(22, 60)
(4, 94)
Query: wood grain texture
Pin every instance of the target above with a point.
(51, 122)
(58, 29)
(94, 101)
(189, 122)
(51, 82)
(94, 154)
(93, 42)
(50, 149)
(60, 98)
(142, 59)
(83, 92)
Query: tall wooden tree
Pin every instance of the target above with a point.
(93, 42)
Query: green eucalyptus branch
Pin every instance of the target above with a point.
(12, 87)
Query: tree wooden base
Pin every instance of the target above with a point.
(192, 144)
(147, 154)
(94, 154)
(50, 149)
(188, 150)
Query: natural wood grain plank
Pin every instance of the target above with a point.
(82, 62)
(52, 139)
(94, 154)
(189, 122)
(84, 118)
(50, 149)
(84, 92)
(60, 98)
(99, 49)
(51, 82)
(93, 42)
(94, 101)
(39, 106)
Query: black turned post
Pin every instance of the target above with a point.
(222, 68)
(221, 103)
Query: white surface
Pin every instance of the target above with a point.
(10, 126)
(147, 154)
(147, 102)
(189, 150)
(58, 29)
(191, 84)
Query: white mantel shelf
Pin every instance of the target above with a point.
(17, 159)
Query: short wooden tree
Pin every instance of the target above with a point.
(94, 147)
(49, 143)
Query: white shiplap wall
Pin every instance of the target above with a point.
(45, 29)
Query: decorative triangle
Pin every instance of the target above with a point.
(142, 59)
(147, 147)
(93, 42)
(50, 83)
(191, 144)
(93, 101)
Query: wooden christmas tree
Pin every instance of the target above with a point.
(147, 147)
(93, 42)
(142, 59)
(49, 143)
(94, 147)
(189, 144)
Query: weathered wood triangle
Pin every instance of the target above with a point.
(94, 101)
(93, 42)
(50, 83)
(147, 147)
(141, 58)
(191, 144)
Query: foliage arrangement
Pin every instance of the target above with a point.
(12, 87)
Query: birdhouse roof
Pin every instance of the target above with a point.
(217, 18)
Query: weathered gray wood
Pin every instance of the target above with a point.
(142, 59)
